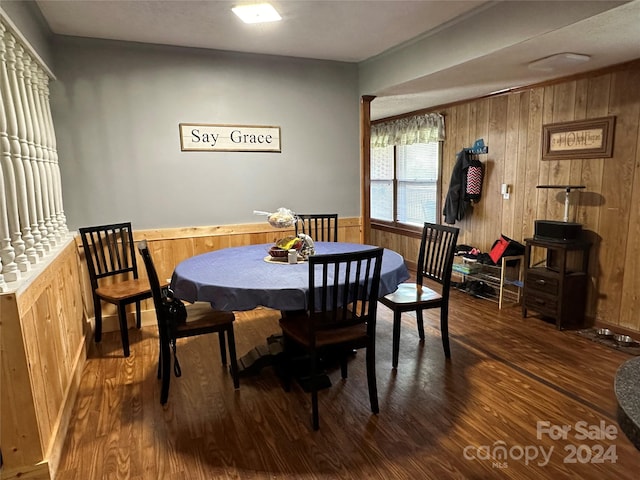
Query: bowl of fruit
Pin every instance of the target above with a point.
(282, 246)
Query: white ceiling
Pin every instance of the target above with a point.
(369, 32)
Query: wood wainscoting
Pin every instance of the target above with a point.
(43, 354)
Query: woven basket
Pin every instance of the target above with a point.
(278, 252)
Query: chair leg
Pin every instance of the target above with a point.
(444, 330)
(166, 370)
(124, 328)
(97, 306)
(231, 340)
(371, 378)
(396, 338)
(223, 348)
(138, 315)
(343, 365)
(420, 321)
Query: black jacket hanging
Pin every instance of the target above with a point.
(456, 203)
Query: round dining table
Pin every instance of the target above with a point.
(244, 278)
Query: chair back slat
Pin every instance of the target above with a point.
(321, 227)
(97, 252)
(109, 250)
(119, 256)
(437, 249)
(343, 289)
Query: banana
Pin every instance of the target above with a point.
(285, 243)
(288, 243)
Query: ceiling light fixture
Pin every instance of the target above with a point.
(258, 13)
(558, 61)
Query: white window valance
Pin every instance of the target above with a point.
(407, 131)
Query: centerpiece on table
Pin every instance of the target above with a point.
(282, 246)
(302, 243)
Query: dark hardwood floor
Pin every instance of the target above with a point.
(511, 383)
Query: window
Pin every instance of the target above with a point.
(405, 184)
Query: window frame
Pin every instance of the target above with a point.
(405, 228)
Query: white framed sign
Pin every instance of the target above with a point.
(204, 137)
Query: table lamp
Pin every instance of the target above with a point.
(559, 231)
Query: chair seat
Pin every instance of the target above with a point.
(127, 289)
(410, 294)
(297, 328)
(200, 316)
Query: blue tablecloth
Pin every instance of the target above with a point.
(239, 278)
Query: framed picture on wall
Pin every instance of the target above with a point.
(208, 137)
(591, 138)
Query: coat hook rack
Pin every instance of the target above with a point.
(478, 148)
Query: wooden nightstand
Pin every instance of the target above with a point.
(556, 286)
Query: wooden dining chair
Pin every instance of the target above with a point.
(321, 227)
(341, 316)
(113, 273)
(201, 319)
(435, 261)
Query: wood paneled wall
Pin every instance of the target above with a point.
(511, 126)
(42, 357)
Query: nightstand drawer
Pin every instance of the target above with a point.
(541, 303)
(538, 282)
